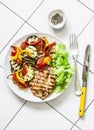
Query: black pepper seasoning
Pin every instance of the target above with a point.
(56, 19)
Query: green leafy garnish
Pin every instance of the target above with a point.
(61, 67)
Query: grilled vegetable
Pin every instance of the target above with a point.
(14, 53)
(24, 45)
(45, 40)
(14, 66)
(27, 77)
(24, 53)
(17, 81)
(43, 61)
(52, 51)
(19, 76)
(29, 60)
(41, 46)
(24, 69)
(33, 50)
(48, 48)
(32, 38)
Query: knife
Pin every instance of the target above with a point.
(84, 78)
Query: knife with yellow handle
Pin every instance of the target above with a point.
(82, 101)
(84, 78)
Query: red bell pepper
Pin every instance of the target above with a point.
(40, 60)
(42, 65)
(24, 69)
(24, 45)
(48, 48)
(43, 61)
(35, 43)
(14, 51)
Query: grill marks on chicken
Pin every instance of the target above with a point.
(43, 83)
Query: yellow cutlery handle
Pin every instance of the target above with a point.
(82, 101)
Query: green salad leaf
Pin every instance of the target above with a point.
(61, 67)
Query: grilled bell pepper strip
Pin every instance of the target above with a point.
(24, 51)
(47, 59)
(40, 60)
(24, 45)
(48, 48)
(42, 65)
(20, 84)
(15, 52)
(45, 40)
(35, 43)
(44, 62)
(41, 46)
(19, 77)
(24, 69)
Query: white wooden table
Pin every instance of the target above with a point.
(21, 17)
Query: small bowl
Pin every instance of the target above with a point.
(57, 19)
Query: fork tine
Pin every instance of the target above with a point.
(71, 40)
(75, 41)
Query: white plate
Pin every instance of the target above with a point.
(27, 94)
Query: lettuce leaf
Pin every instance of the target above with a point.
(61, 67)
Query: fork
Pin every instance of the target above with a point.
(75, 52)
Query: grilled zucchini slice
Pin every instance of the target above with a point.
(28, 76)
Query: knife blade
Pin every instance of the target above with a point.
(84, 79)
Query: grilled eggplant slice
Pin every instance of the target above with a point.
(32, 38)
(29, 60)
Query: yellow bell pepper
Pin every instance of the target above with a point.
(24, 51)
(47, 59)
(19, 77)
(45, 40)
